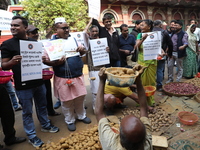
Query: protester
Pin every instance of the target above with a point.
(71, 95)
(167, 47)
(127, 43)
(190, 67)
(8, 119)
(149, 75)
(136, 30)
(112, 37)
(134, 133)
(197, 30)
(171, 28)
(180, 42)
(32, 32)
(93, 70)
(29, 90)
(14, 99)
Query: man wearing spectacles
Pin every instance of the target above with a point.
(70, 87)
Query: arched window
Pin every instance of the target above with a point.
(158, 17)
(136, 16)
(112, 17)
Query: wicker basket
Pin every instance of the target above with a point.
(120, 81)
(174, 94)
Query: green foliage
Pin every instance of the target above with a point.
(42, 13)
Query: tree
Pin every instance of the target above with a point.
(42, 13)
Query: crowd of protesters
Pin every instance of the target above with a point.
(178, 47)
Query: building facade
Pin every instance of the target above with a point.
(127, 11)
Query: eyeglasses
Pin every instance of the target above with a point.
(64, 28)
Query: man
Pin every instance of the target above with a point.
(136, 29)
(180, 42)
(112, 37)
(167, 47)
(171, 28)
(69, 69)
(127, 43)
(8, 119)
(32, 32)
(134, 133)
(29, 90)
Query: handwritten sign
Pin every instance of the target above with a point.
(54, 49)
(81, 37)
(69, 47)
(94, 8)
(31, 63)
(98, 50)
(152, 45)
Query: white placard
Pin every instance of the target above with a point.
(81, 37)
(54, 49)
(98, 50)
(94, 8)
(152, 45)
(31, 63)
(69, 47)
(43, 65)
(5, 20)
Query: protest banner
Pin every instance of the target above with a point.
(31, 63)
(98, 50)
(81, 37)
(94, 8)
(5, 20)
(152, 45)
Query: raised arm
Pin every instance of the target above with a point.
(88, 25)
(99, 105)
(141, 93)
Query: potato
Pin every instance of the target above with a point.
(64, 146)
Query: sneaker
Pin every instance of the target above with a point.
(71, 127)
(36, 142)
(86, 120)
(168, 81)
(51, 129)
(57, 105)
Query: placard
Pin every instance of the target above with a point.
(94, 8)
(54, 49)
(81, 37)
(31, 63)
(69, 47)
(152, 45)
(98, 50)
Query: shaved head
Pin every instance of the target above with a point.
(132, 133)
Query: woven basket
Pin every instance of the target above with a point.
(178, 95)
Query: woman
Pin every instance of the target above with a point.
(149, 75)
(190, 67)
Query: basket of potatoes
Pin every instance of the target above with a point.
(121, 77)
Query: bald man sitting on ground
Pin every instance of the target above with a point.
(135, 133)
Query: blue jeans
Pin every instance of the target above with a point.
(11, 91)
(160, 71)
(26, 97)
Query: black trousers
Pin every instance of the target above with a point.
(50, 109)
(7, 116)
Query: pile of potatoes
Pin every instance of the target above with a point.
(84, 140)
(194, 81)
(123, 72)
(158, 119)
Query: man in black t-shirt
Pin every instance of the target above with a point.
(29, 90)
